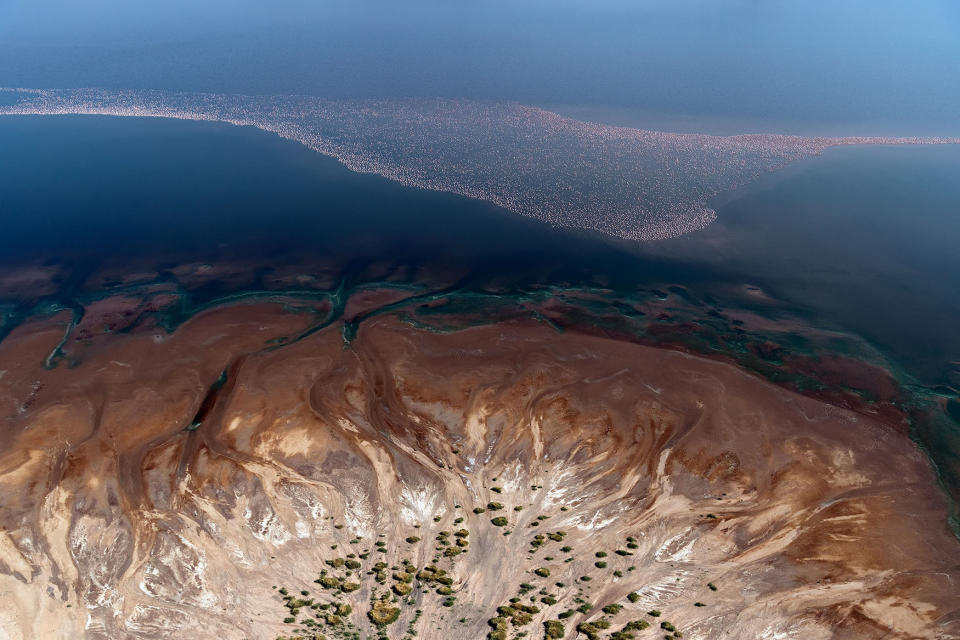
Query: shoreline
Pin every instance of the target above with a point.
(860, 380)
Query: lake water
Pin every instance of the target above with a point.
(861, 240)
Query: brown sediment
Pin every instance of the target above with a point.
(28, 282)
(116, 313)
(811, 519)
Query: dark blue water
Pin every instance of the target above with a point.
(866, 238)
(95, 189)
(863, 241)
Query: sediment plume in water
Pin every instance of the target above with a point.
(628, 183)
(476, 482)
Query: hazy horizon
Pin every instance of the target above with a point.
(805, 68)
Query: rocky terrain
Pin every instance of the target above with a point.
(502, 481)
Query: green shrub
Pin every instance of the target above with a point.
(381, 613)
(654, 613)
(521, 618)
(612, 609)
(633, 597)
(600, 564)
(553, 629)
(412, 539)
(543, 572)
(589, 629)
(498, 622)
(636, 625)
(328, 582)
(499, 521)
(712, 586)
(499, 625)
